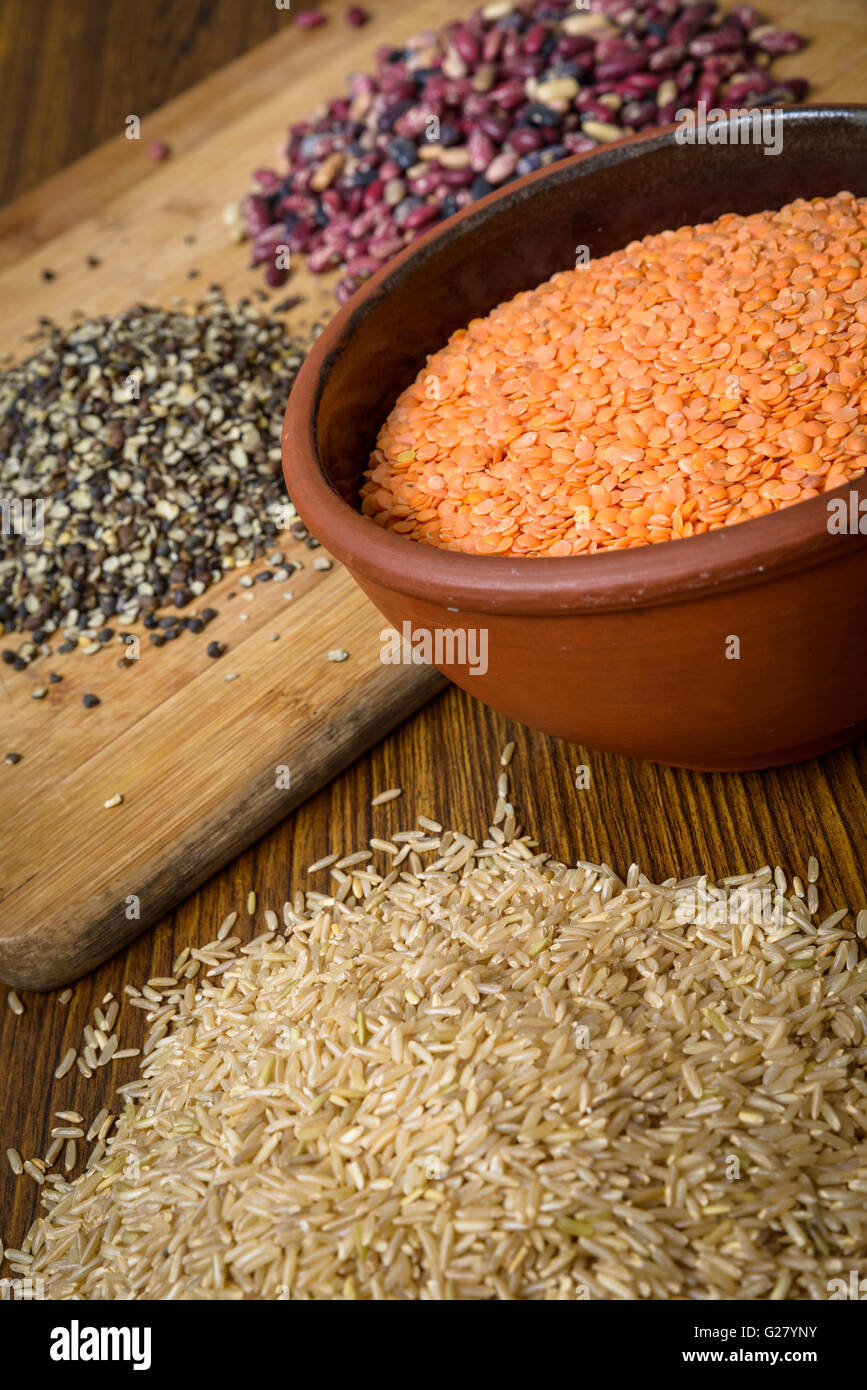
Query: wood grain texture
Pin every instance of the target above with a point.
(202, 766)
(193, 757)
(668, 820)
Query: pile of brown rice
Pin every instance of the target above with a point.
(489, 1075)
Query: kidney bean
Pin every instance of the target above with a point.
(638, 84)
(275, 275)
(419, 217)
(373, 194)
(503, 88)
(426, 183)
(362, 266)
(508, 95)
(466, 45)
(727, 39)
(481, 150)
(747, 16)
(570, 45)
(323, 258)
(618, 68)
(687, 26)
(457, 92)
(511, 48)
(300, 238)
(666, 113)
(524, 139)
(502, 167)
(454, 65)
(386, 247)
(706, 90)
(456, 178)
(534, 38)
(491, 45)
(577, 143)
(257, 214)
(495, 127)
(771, 40)
(795, 89)
(596, 111)
(267, 180)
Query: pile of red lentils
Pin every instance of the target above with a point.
(690, 381)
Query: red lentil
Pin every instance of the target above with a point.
(691, 380)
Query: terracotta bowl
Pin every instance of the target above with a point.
(631, 651)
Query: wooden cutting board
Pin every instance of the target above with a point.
(196, 758)
(201, 763)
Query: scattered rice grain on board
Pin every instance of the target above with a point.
(382, 797)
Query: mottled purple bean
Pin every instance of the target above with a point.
(368, 172)
(774, 41)
(419, 217)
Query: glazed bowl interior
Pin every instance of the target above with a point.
(511, 241)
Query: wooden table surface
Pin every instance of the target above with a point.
(69, 75)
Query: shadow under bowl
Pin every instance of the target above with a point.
(741, 648)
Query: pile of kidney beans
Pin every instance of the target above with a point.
(452, 115)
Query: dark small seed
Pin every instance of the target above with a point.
(170, 621)
(209, 614)
(156, 639)
(12, 758)
(19, 664)
(215, 649)
(90, 700)
(7, 656)
(195, 625)
(172, 634)
(48, 274)
(105, 634)
(54, 678)
(263, 576)
(66, 647)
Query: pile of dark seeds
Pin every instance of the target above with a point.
(152, 440)
(452, 115)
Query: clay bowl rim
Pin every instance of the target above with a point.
(749, 553)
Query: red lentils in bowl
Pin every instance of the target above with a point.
(693, 379)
